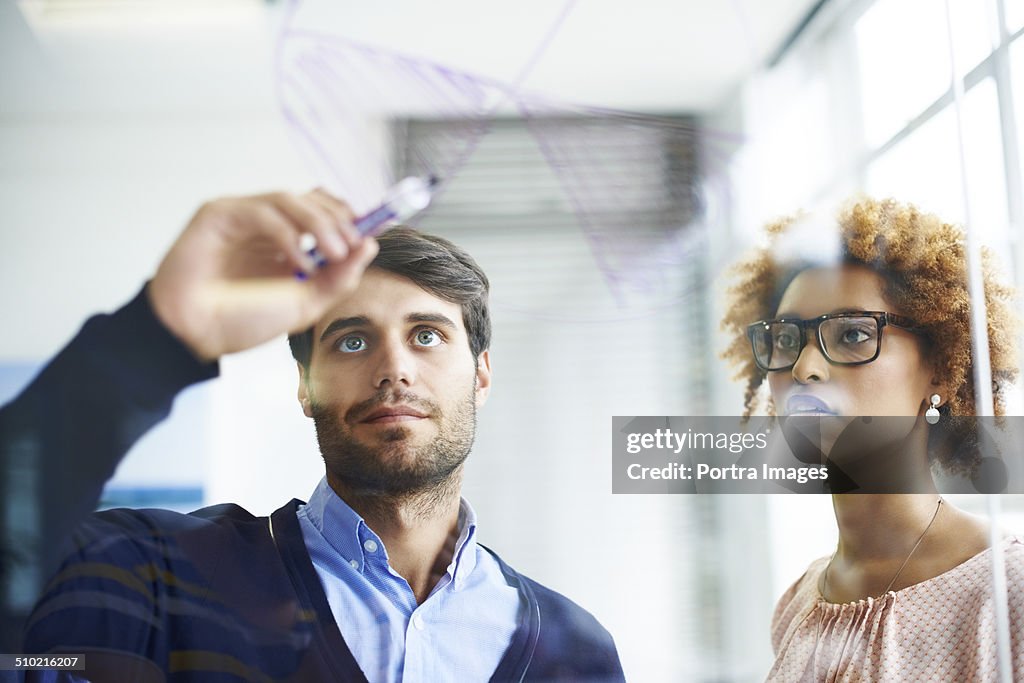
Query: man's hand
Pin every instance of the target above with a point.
(229, 282)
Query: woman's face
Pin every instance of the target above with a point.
(898, 382)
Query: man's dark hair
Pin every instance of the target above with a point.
(437, 266)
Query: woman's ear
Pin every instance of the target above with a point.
(939, 383)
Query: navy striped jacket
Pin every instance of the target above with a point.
(221, 595)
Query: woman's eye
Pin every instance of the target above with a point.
(351, 344)
(855, 336)
(427, 338)
(786, 341)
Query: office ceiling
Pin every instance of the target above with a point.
(649, 55)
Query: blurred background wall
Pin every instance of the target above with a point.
(604, 161)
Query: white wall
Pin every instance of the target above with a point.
(110, 140)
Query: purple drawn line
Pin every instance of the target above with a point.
(455, 78)
(663, 122)
(443, 98)
(535, 56)
(646, 119)
(577, 184)
(425, 78)
(282, 83)
(506, 93)
(448, 73)
(308, 66)
(582, 216)
(427, 86)
(319, 66)
(443, 94)
(306, 93)
(709, 153)
(589, 169)
(314, 144)
(645, 124)
(600, 242)
(540, 50)
(317, 73)
(438, 96)
(424, 83)
(410, 66)
(331, 40)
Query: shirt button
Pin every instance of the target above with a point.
(354, 563)
(417, 621)
(370, 545)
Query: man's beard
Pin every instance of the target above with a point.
(393, 466)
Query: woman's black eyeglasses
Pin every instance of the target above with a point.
(852, 338)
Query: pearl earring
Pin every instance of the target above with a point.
(932, 414)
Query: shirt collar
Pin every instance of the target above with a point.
(337, 522)
(346, 531)
(464, 558)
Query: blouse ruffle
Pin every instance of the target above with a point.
(939, 629)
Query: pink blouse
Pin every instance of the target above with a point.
(941, 629)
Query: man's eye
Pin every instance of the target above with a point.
(427, 338)
(351, 344)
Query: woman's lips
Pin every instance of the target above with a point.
(806, 404)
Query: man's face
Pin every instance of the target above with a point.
(392, 387)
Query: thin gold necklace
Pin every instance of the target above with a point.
(824, 587)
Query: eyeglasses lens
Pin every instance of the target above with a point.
(776, 345)
(850, 340)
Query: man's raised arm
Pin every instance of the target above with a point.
(227, 284)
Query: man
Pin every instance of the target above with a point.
(379, 576)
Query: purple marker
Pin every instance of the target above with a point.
(402, 202)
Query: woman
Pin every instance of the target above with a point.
(884, 330)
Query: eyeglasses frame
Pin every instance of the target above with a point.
(882, 318)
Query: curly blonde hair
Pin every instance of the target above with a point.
(923, 263)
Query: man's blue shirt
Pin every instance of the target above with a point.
(460, 632)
